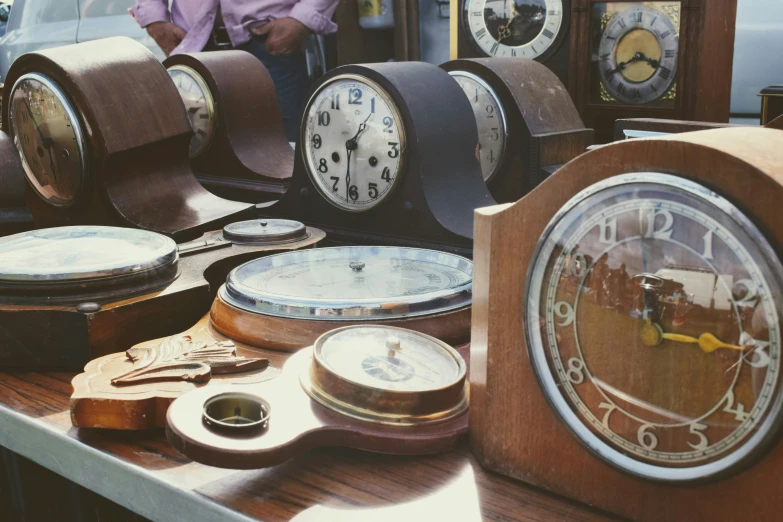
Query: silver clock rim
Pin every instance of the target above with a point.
(502, 111)
(756, 444)
(249, 299)
(310, 166)
(291, 231)
(208, 98)
(77, 130)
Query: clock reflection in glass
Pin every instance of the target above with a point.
(354, 143)
(513, 28)
(45, 130)
(637, 55)
(199, 104)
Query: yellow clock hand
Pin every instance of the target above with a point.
(706, 341)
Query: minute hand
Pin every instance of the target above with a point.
(706, 341)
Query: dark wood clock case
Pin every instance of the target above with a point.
(250, 158)
(544, 127)
(441, 180)
(532, 444)
(14, 214)
(137, 136)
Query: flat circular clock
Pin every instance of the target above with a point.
(285, 301)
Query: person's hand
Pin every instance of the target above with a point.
(166, 35)
(283, 36)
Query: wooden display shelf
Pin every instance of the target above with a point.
(141, 472)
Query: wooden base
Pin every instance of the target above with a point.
(296, 425)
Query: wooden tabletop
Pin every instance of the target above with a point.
(141, 472)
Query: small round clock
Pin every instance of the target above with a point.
(490, 121)
(49, 137)
(638, 55)
(200, 106)
(653, 327)
(353, 142)
(515, 28)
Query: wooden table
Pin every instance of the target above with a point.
(141, 472)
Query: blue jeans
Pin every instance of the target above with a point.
(289, 72)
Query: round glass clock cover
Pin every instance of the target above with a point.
(199, 104)
(652, 316)
(514, 28)
(355, 283)
(48, 135)
(490, 121)
(353, 142)
(265, 231)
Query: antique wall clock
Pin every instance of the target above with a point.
(383, 160)
(239, 149)
(69, 294)
(14, 214)
(103, 138)
(277, 305)
(642, 332)
(647, 59)
(527, 124)
(534, 29)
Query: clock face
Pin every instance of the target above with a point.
(48, 135)
(636, 51)
(653, 327)
(353, 143)
(514, 28)
(199, 104)
(490, 121)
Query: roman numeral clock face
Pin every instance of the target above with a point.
(513, 28)
(636, 55)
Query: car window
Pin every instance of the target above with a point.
(97, 8)
(35, 12)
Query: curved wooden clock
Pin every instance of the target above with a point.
(104, 139)
(532, 29)
(14, 214)
(70, 294)
(528, 126)
(639, 337)
(387, 155)
(239, 150)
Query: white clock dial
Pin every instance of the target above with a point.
(353, 143)
(199, 104)
(514, 28)
(490, 121)
(638, 55)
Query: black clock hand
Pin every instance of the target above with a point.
(350, 146)
(46, 142)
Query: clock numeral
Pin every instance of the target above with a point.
(654, 88)
(637, 17)
(665, 35)
(696, 429)
(354, 96)
(609, 407)
(739, 412)
(353, 192)
(324, 119)
(388, 121)
(323, 168)
(621, 22)
(565, 312)
(386, 175)
(577, 266)
(670, 53)
(491, 156)
(665, 73)
(610, 37)
(316, 139)
(476, 13)
(490, 111)
(481, 33)
(553, 12)
(372, 105)
(606, 56)
(513, 53)
(647, 438)
(549, 34)
(576, 368)
(495, 136)
(621, 89)
(336, 101)
(373, 190)
(652, 22)
(336, 181)
(494, 48)
(751, 291)
(707, 245)
(608, 233)
(395, 151)
(534, 48)
(636, 94)
(665, 232)
(758, 357)
(609, 73)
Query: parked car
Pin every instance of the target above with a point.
(5, 12)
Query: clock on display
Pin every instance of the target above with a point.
(199, 104)
(48, 135)
(353, 142)
(490, 121)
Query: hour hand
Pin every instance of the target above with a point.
(652, 335)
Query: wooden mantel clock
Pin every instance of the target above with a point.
(533, 29)
(103, 137)
(528, 126)
(387, 155)
(14, 214)
(657, 59)
(239, 150)
(633, 326)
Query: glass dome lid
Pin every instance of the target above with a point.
(352, 283)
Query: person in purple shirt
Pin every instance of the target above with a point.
(271, 30)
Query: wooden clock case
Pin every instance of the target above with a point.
(705, 61)
(137, 137)
(249, 158)
(14, 214)
(556, 58)
(771, 103)
(544, 127)
(513, 429)
(441, 180)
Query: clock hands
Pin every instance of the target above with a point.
(46, 142)
(652, 335)
(638, 57)
(504, 31)
(350, 146)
